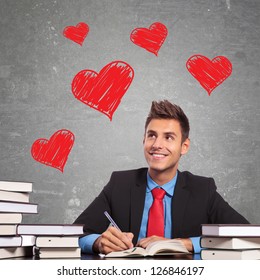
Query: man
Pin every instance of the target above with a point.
(129, 197)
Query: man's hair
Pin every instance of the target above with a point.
(166, 110)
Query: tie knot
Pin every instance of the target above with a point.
(158, 193)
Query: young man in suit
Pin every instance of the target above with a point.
(188, 200)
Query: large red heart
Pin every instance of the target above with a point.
(54, 152)
(78, 33)
(150, 38)
(209, 73)
(105, 90)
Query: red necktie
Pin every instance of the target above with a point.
(156, 214)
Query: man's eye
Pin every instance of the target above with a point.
(151, 135)
(169, 138)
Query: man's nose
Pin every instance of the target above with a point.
(158, 143)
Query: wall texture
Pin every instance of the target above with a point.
(38, 64)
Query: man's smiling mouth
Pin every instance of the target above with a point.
(158, 155)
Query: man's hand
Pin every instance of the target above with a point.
(113, 240)
(187, 243)
(146, 241)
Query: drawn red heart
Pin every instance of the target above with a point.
(54, 152)
(150, 38)
(209, 73)
(105, 90)
(78, 33)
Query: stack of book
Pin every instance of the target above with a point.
(230, 242)
(32, 240)
(54, 240)
(14, 202)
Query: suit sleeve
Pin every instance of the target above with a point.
(220, 212)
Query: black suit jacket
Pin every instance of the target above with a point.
(195, 202)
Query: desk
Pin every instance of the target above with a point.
(89, 257)
(168, 257)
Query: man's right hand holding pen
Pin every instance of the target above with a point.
(113, 239)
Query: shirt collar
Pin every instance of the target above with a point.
(168, 187)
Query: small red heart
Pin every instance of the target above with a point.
(209, 73)
(78, 33)
(105, 90)
(150, 38)
(54, 152)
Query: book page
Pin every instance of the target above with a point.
(133, 252)
(166, 247)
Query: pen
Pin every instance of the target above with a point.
(111, 220)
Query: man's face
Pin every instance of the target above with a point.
(163, 145)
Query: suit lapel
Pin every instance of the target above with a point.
(179, 203)
(138, 192)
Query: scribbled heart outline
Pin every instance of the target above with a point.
(209, 73)
(151, 38)
(76, 33)
(103, 91)
(55, 151)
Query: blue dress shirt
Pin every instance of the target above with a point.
(86, 242)
(169, 189)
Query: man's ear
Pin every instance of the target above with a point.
(185, 146)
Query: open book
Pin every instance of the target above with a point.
(162, 247)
